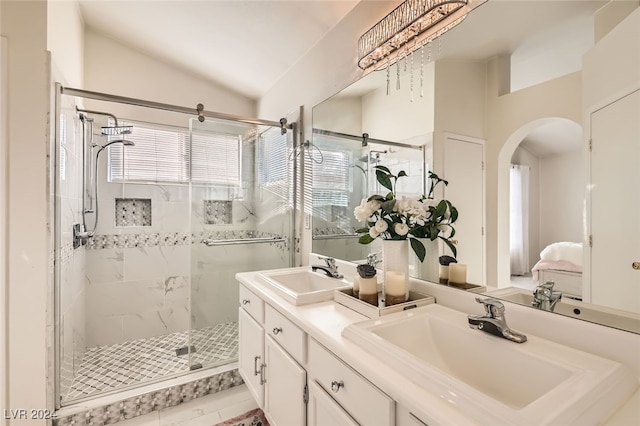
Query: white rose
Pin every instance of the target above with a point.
(373, 233)
(401, 228)
(381, 226)
(362, 212)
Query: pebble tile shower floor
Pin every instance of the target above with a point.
(105, 368)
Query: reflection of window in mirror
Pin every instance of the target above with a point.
(332, 185)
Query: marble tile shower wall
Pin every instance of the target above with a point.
(143, 281)
(70, 261)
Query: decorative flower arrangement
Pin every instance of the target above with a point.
(391, 218)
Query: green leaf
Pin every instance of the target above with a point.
(402, 173)
(383, 179)
(383, 168)
(454, 214)
(441, 208)
(418, 248)
(388, 205)
(362, 231)
(450, 245)
(365, 239)
(376, 197)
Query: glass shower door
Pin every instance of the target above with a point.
(241, 220)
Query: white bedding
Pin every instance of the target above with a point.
(561, 256)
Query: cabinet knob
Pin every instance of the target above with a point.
(277, 330)
(636, 266)
(336, 385)
(246, 301)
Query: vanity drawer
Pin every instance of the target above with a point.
(367, 404)
(286, 333)
(252, 304)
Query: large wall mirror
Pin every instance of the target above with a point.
(497, 107)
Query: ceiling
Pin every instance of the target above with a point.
(246, 46)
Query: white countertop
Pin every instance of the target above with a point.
(325, 321)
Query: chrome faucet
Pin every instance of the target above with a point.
(545, 298)
(373, 259)
(330, 268)
(493, 321)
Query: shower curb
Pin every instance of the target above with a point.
(149, 402)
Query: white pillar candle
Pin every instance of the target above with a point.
(458, 273)
(444, 274)
(368, 285)
(356, 285)
(395, 283)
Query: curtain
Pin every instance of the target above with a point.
(519, 219)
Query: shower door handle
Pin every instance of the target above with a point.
(255, 365)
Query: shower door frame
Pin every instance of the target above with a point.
(200, 113)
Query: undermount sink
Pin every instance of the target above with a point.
(301, 286)
(623, 320)
(493, 380)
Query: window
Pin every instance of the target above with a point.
(274, 171)
(163, 154)
(331, 179)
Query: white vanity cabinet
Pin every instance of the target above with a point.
(324, 411)
(353, 396)
(271, 351)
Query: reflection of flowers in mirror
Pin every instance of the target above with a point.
(392, 218)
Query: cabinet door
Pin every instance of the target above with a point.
(284, 402)
(251, 357)
(324, 411)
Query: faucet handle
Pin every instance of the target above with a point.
(329, 261)
(372, 258)
(493, 307)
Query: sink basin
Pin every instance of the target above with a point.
(623, 320)
(301, 286)
(493, 380)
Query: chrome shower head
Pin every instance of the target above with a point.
(116, 130)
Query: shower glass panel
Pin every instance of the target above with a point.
(343, 174)
(179, 207)
(340, 181)
(241, 220)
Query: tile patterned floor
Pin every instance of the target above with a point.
(105, 368)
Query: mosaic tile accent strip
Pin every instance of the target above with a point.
(105, 368)
(133, 212)
(152, 401)
(98, 242)
(218, 212)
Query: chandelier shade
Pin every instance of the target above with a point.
(406, 28)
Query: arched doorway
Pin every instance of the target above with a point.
(552, 150)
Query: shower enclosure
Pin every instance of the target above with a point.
(150, 234)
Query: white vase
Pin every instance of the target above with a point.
(395, 260)
(428, 269)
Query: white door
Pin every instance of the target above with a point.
(324, 411)
(464, 170)
(251, 356)
(615, 204)
(284, 394)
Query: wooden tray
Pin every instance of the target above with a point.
(345, 297)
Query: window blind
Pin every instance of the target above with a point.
(274, 169)
(332, 179)
(164, 155)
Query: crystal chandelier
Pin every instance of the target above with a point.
(408, 27)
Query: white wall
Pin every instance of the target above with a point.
(27, 308)
(562, 191)
(65, 41)
(114, 68)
